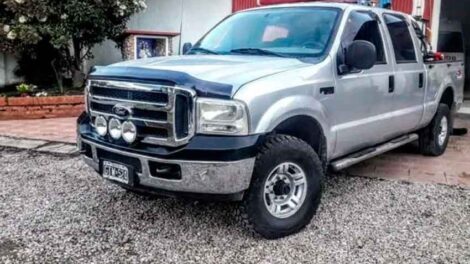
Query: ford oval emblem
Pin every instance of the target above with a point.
(122, 110)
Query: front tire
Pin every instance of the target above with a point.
(285, 190)
(434, 138)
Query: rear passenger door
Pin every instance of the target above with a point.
(409, 74)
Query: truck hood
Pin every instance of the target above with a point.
(221, 75)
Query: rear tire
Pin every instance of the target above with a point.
(434, 138)
(285, 190)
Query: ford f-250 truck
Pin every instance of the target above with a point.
(262, 105)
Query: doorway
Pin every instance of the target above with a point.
(454, 19)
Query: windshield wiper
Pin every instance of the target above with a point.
(207, 51)
(254, 51)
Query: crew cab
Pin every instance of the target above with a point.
(265, 103)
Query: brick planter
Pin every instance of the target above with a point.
(40, 107)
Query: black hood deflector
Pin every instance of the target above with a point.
(164, 77)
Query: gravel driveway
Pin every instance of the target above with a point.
(55, 209)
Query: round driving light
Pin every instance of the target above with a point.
(129, 131)
(115, 128)
(101, 126)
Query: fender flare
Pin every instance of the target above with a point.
(292, 106)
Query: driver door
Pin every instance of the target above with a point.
(364, 99)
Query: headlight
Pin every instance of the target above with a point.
(101, 126)
(115, 128)
(221, 117)
(129, 132)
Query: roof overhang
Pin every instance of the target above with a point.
(151, 33)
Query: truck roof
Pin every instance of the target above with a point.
(342, 6)
(306, 4)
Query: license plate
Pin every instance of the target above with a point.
(116, 172)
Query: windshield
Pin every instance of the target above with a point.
(284, 32)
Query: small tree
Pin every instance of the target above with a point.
(71, 27)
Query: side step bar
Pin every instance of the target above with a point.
(372, 152)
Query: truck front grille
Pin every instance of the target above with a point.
(164, 115)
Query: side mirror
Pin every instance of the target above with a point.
(360, 55)
(187, 47)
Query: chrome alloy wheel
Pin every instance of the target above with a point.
(443, 128)
(285, 190)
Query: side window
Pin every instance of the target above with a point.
(364, 26)
(401, 38)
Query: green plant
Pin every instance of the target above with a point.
(71, 27)
(24, 88)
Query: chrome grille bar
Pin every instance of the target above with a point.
(141, 103)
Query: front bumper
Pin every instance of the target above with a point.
(205, 177)
(207, 165)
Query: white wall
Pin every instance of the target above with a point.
(2, 69)
(7, 67)
(199, 16)
(191, 18)
(104, 54)
(160, 16)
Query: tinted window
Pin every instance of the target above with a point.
(401, 38)
(364, 26)
(296, 32)
(450, 42)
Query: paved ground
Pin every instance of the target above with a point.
(57, 129)
(406, 164)
(39, 145)
(56, 210)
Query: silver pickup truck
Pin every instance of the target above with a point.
(265, 103)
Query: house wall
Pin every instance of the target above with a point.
(7, 67)
(190, 18)
(161, 16)
(2, 69)
(199, 16)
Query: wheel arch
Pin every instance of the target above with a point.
(448, 97)
(294, 111)
(308, 129)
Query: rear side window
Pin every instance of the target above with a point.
(364, 26)
(451, 42)
(401, 38)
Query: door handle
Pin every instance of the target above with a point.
(421, 80)
(391, 84)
